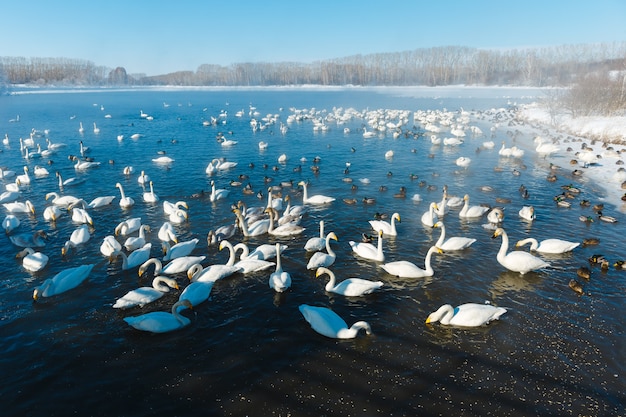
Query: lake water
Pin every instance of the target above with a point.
(248, 350)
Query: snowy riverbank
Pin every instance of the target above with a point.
(603, 144)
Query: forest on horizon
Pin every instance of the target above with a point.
(553, 66)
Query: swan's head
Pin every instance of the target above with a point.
(466, 197)
(396, 216)
(321, 271)
(223, 244)
(302, 184)
(498, 232)
(332, 236)
(438, 224)
(193, 270)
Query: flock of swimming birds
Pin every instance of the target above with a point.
(129, 241)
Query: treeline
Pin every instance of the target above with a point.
(554, 66)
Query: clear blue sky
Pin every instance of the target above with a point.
(157, 37)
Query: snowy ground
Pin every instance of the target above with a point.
(606, 136)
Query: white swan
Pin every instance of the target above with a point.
(453, 243)
(466, 315)
(19, 207)
(430, 217)
(81, 129)
(128, 226)
(135, 259)
(279, 281)
(84, 165)
(284, 230)
(327, 323)
(406, 269)
(549, 245)
(471, 211)
(80, 215)
(175, 266)
(163, 160)
(109, 245)
(145, 295)
(9, 196)
(544, 148)
(161, 321)
(262, 252)
(40, 171)
(527, 213)
(321, 259)
(125, 202)
(178, 250)
(63, 281)
(135, 242)
(196, 292)
(63, 201)
(169, 207)
(517, 261)
(33, 240)
(388, 228)
(245, 265)
(217, 193)
(315, 199)
(24, 178)
(143, 179)
(495, 215)
(178, 216)
(212, 273)
(96, 129)
(32, 261)
(78, 237)
(150, 197)
(167, 233)
(10, 223)
(350, 287)
(369, 251)
(315, 244)
(258, 228)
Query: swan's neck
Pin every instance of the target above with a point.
(447, 316)
(503, 248)
(442, 237)
(122, 192)
(322, 229)
(305, 195)
(465, 207)
(427, 266)
(533, 243)
(354, 329)
(231, 251)
(279, 267)
(328, 248)
(331, 280)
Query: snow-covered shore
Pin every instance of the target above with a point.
(603, 144)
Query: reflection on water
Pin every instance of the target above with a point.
(248, 351)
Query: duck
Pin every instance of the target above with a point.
(368, 250)
(161, 321)
(175, 266)
(125, 202)
(576, 287)
(135, 242)
(466, 315)
(468, 211)
(406, 269)
(279, 280)
(388, 228)
(179, 249)
(516, 261)
(350, 287)
(453, 243)
(32, 261)
(328, 323)
(527, 213)
(553, 246)
(145, 295)
(79, 236)
(430, 217)
(605, 218)
(321, 259)
(316, 244)
(620, 264)
(584, 272)
(135, 259)
(314, 199)
(34, 239)
(63, 281)
(10, 223)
